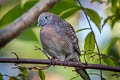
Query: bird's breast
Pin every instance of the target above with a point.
(51, 38)
(49, 32)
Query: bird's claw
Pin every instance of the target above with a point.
(52, 61)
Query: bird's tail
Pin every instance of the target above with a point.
(82, 73)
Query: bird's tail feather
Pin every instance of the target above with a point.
(82, 73)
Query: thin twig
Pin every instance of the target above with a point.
(38, 48)
(15, 55)
(93, 34)
(109, 56)
(101, 54)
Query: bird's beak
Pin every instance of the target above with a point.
(38, 24)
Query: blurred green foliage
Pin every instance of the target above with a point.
(1, 77)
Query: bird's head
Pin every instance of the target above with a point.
(46, 18)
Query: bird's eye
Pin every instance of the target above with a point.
(46, 17)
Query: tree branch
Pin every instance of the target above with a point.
(60, 63)
(25, 21)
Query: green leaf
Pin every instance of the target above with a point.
(71, 1)
(69, 12)
(106, 20)
(62, 6)
(112, 51)
(23, 2)
(42, 75)
(89, 42)
(23, 70)
(15, 12)
(114, 5)
(94, 16)
(115, 18)
(8, 5)
(64, 12)
(82, 29)
(1, 77)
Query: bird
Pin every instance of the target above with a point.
(59, 40)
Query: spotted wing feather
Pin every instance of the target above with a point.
(70, 33)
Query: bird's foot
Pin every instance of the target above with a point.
(85, 63)
(52, 61)
(66, 62)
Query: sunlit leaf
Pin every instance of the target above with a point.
(94, 16)
(1, 76)
(89, 42)
(42, 75)
(64, 12)
(23, 2)
(69, 12)
(62, 6)
(8, 5)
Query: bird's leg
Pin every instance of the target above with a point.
(79, 61)
(52, 61)
(66, 61)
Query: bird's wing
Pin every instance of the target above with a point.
(70, 33)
